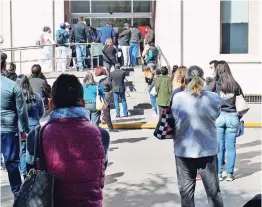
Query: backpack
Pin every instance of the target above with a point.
(60, 39)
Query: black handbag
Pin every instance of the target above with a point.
(38, 188)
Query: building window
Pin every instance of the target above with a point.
(117, 23)
(80, 6)
(142, 21)
(142, 6)
(75, 20)
(234, 19)
(116, 6)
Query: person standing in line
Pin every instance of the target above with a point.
(82, 147)
(195, 139)
(135, 38)
(109, 55)
(14, 122)
(102, 79)
(210, 80)
(48, 42)
(149, 77)
(163, 88)
(39, 84)
(70, 47)
(123, 42)
(227, 123)
(117, 79)
(62, 39)
(35, 110)
(149, 38)
(91, 91)
(81, 35)
(175, 67)
(11, 71)
(179, 80)
(152, 56)
(179, 84)
(107, 32)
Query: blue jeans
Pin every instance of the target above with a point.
(23, 153)
(152, 100)
(81, 55)
(92, 113)
(10, 147)
(133, 52)
(117, 96)
(227, 125)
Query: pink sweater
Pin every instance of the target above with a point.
(74, 153)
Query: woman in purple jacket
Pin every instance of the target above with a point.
(74, 149)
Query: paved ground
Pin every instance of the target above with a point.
(142, 173)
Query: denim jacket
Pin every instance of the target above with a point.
(195, 133)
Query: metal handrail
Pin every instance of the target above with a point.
(54, 58)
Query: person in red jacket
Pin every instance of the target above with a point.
(74, 149)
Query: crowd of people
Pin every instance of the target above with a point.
(206, 120)
(73, 46)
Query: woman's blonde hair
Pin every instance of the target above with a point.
(148, 73)
(179, 80)
(109, 41)
(196, 85)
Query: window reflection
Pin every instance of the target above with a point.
(111, 6)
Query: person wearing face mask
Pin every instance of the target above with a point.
(47, 41)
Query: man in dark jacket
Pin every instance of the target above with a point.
(136, 37)
(39, 84)
(123, 42)
(81, 35)
(117, 79)
(14, 122)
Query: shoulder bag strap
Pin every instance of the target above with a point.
(37, 131)
(39, 147)
(97, 92)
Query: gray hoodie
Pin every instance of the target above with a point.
(136, 35)
(124, 37)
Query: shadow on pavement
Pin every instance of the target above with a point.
(111, 149)
(245, 166)
(129, 140)
(250, 144)
(109, 179)
(158, 191)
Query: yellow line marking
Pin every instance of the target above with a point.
(153, 126)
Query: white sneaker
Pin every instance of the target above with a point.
(155, 115)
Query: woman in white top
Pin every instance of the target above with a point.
(46, 39)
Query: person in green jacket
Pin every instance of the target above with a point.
(163, 89)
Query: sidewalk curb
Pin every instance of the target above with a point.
(153, 126)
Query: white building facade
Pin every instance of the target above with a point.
(195, 37)
(189, 32)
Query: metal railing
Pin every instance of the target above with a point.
(22, 56)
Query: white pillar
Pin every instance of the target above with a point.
(167, 30)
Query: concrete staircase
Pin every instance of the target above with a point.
(138, 101)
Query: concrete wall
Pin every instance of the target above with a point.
(201, 39)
